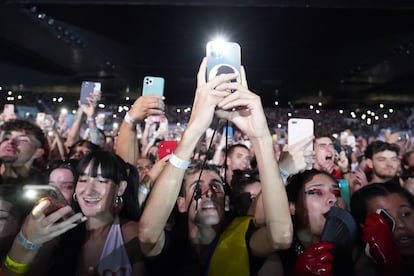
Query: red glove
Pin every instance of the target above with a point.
(315, 260)
(378, 235)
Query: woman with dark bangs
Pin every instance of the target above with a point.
(106, 244)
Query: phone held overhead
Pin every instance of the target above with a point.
(153, 86)
(223, 58)
(90, 89)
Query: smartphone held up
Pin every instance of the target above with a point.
(223, 58)
(91, 90)
(39, 193)
(166, 147)
(153, 86)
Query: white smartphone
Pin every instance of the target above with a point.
(223, 58)
(40, 117)
(153, 85)
(298, 129)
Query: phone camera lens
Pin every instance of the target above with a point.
(215, 54)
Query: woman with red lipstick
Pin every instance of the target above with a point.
(389, 242)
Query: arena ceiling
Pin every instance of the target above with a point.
(343, 53)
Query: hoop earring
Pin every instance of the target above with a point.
(74, 197)
(118, 201)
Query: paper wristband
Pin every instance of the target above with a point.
(143, 189)
(129, 120)
(17, 268)
(177, 162)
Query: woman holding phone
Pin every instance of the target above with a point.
(107, 240)
(385, 212)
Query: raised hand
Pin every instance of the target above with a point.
(315, 260)
(243, 108)
(145, 106)
(293, 158)
(207, 97)
(380, 239)
(40, 228)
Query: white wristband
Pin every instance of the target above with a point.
(144, 190)
(26, 243)
(129, 120)
(177, 162)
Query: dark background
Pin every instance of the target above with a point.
(347, 54)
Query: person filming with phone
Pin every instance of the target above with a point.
(385, 213)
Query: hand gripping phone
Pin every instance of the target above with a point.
(298, 129)
(38, 193)
(90, 89)
(387, 217)
(223, 58)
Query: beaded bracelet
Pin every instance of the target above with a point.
(26, 243)
(17, 268)
(129, 120)
(177, 162)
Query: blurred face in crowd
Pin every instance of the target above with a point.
(80, 151)
(8, 221)
(239, 159)
(410, 160)
(403, 214)
(143, 165)
(153, 153)
(9, 226)
(18, 147)
(319, 195)
(277, 148)
(324, 154)
(64, 180)
(209, 210)
(384, 164)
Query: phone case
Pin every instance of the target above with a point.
(388, 218)
(38, 193)
(298, 129)
(223, 58)
(166, 147)
(345, 193)
(87, 89)
(35, 192)
(153, 85)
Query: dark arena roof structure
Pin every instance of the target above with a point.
(344, 53)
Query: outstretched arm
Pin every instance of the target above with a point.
(144, 106)
(245, 110)
(166, 188)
